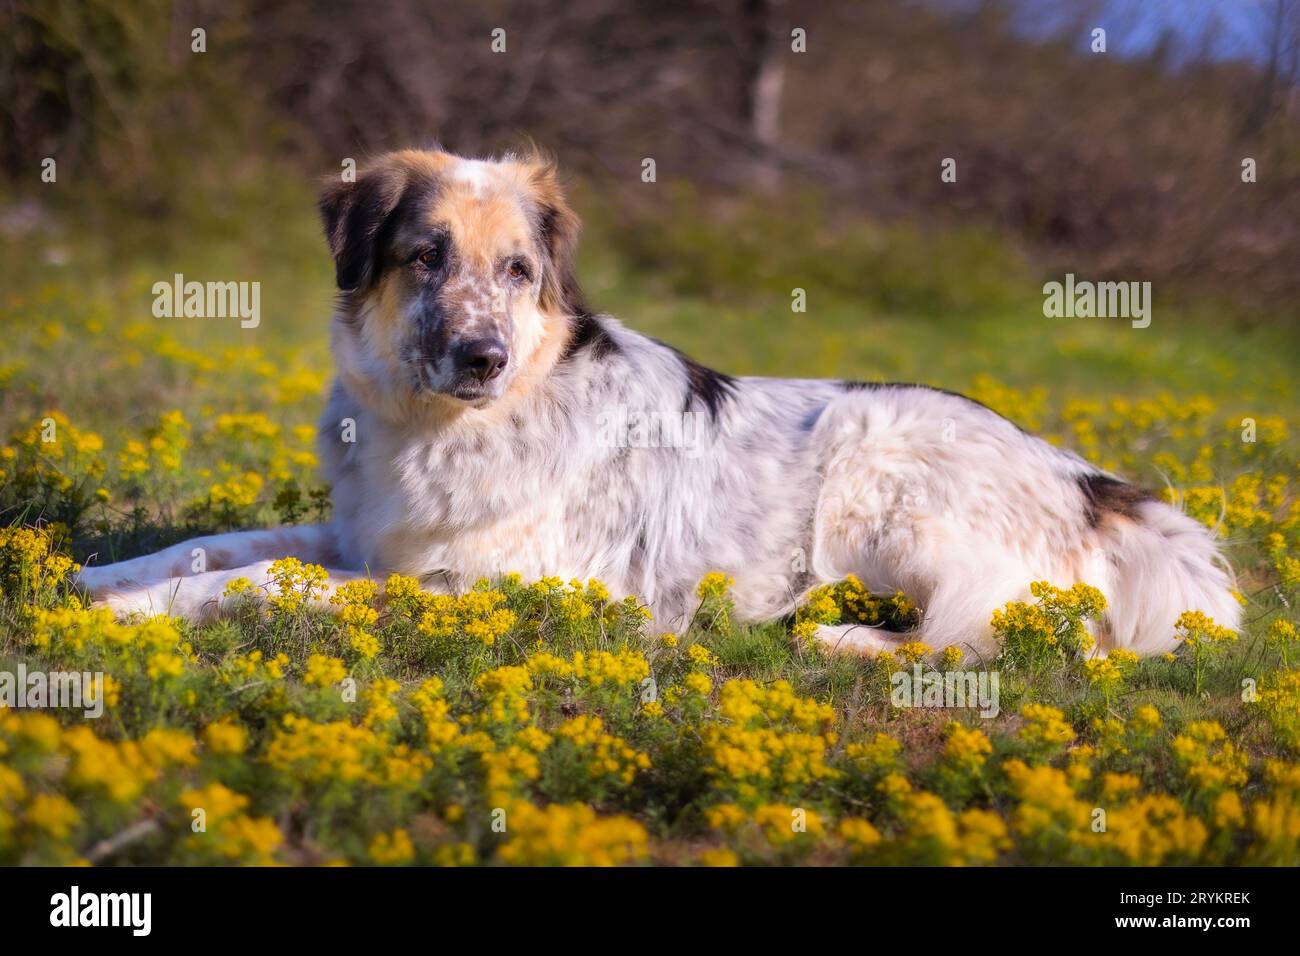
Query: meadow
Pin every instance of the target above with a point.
(545, 722)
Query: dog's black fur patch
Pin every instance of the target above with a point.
(1103, 495)
(705, 386)
(849, 385)
(359, 220)
(591, 335)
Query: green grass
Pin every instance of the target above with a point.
(957, 310)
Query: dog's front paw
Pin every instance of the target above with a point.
(99, 581)
(146, 601)
(170, 598)
(197, 597)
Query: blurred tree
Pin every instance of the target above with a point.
(1118, 164)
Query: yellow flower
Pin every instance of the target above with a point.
(1045, 726)
(715, 584)
(53, 814)
(295, 584)
(238, 491)
(858, 834)
(1147, 719)
(805, 629)
(228, 835)
(324, 671)
(239, 586)
(1048, 805)
(12, 788)
(880, 754)
(379, 704)
(392, 849)
(1106, 674)
(725, 816)
(966, 747)
(570, 835)
(769, 741)
(700, 655)
(164, 665)
(1153, 829)
(162, 747)
(1228, 811)
(216, 800)
(1199, 630)
(225, 738)
(1115, 786)
(914, 651)
(781, 824)
(1208, 758)
(718, 857)
(698, 683)
(356, 599)
(365, 644)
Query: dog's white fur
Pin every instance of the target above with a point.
(794, 484)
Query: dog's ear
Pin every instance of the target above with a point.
(354, 215)
(558, 228)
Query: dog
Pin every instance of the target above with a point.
(467, 434)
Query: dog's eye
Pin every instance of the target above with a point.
(518, 269)
(430, 257)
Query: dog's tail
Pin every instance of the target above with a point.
(1162, 563)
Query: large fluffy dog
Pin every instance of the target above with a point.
(474, 429)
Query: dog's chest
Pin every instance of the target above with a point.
(469, 507)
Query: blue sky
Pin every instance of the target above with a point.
(1223, 28)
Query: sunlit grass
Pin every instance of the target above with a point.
(531, 698)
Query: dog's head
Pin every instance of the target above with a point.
(455, 275)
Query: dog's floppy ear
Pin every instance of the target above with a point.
(558, 228)
(354, 215)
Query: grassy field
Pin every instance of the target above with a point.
(539, 722)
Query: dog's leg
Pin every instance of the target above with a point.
(957, 613)
(202, 597)
(859, 639)
(956, 579)
(313, 544)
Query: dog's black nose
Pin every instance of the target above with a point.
(482, 358)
